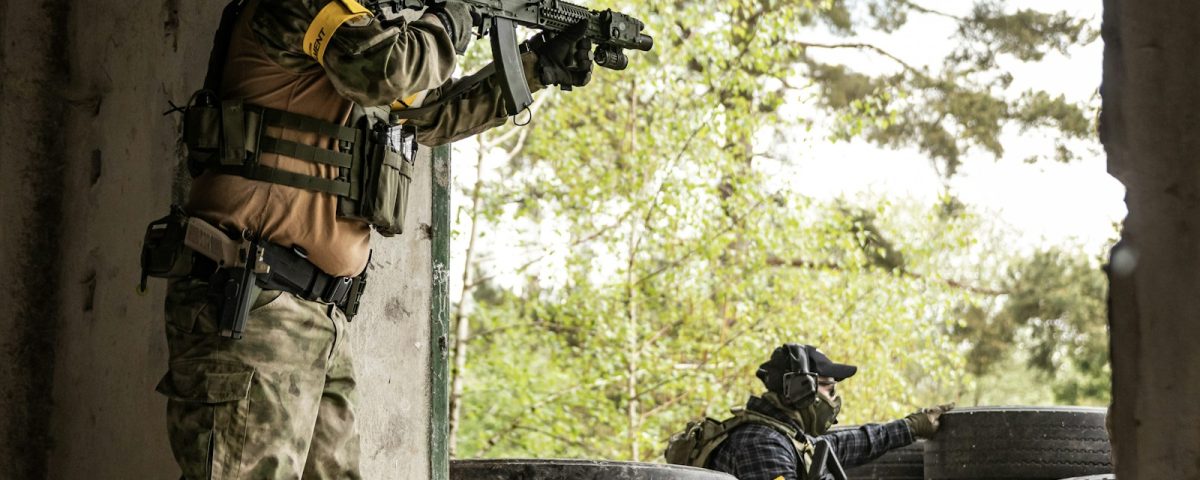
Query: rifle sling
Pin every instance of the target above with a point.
(460, 88)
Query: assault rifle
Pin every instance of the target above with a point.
(612, 32)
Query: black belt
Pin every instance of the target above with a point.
(291, 272)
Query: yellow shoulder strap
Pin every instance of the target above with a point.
(405, 103)
(328, 20)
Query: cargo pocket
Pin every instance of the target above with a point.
(207, 416)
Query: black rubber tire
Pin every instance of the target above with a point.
(551, 469)
(906, 463)
(1003, 443)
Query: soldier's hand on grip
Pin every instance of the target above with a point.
(564, 59)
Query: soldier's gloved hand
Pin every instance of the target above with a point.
(564, 59)
(925, 422)
(457, 18)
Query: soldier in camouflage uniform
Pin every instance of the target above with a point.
(280, 402)
(775, 436)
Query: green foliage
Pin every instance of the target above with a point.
(967, 103)
(686, 261)
(591, 368)
(1025, 34)
(1053, 311)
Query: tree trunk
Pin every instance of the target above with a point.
(462, 324)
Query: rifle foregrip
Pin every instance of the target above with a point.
(610, 58)
(565, 15)
(608, 27)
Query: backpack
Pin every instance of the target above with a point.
(695, 444)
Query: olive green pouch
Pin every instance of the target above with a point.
(202, 131)
(381, 175)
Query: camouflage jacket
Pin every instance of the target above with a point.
(373, 63)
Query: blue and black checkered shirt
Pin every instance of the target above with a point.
(759, 452)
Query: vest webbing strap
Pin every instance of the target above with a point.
(804, 449)
(304, 152)
(256, 139)
(264, 173)
(295, 121)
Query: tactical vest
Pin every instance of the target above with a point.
(373, 151)
(697, 442)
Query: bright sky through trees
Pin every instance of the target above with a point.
(1044, 203)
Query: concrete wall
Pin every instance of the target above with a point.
(1151, 131)
(86, 160)
(30, 236)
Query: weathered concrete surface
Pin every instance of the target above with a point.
(29, 198)
(1151, 131)
(86, 160)
(391, 341)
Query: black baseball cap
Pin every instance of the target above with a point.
(791, 357)
(826, 367)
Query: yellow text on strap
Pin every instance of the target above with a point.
(329, 19)
(405, 103)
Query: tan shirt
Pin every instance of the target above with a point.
(266, 66)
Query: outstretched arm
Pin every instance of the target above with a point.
(859, 445)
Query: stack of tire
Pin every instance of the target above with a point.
(906, 463)
(1003, 443)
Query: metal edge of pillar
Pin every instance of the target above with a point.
(439, 386)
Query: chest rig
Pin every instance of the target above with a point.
(373, 153)
(695, 445)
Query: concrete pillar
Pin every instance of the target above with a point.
(1151, 131)
(33, 72)
(87, 158)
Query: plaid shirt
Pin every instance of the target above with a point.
(759, 452)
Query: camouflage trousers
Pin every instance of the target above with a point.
(276, 404)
